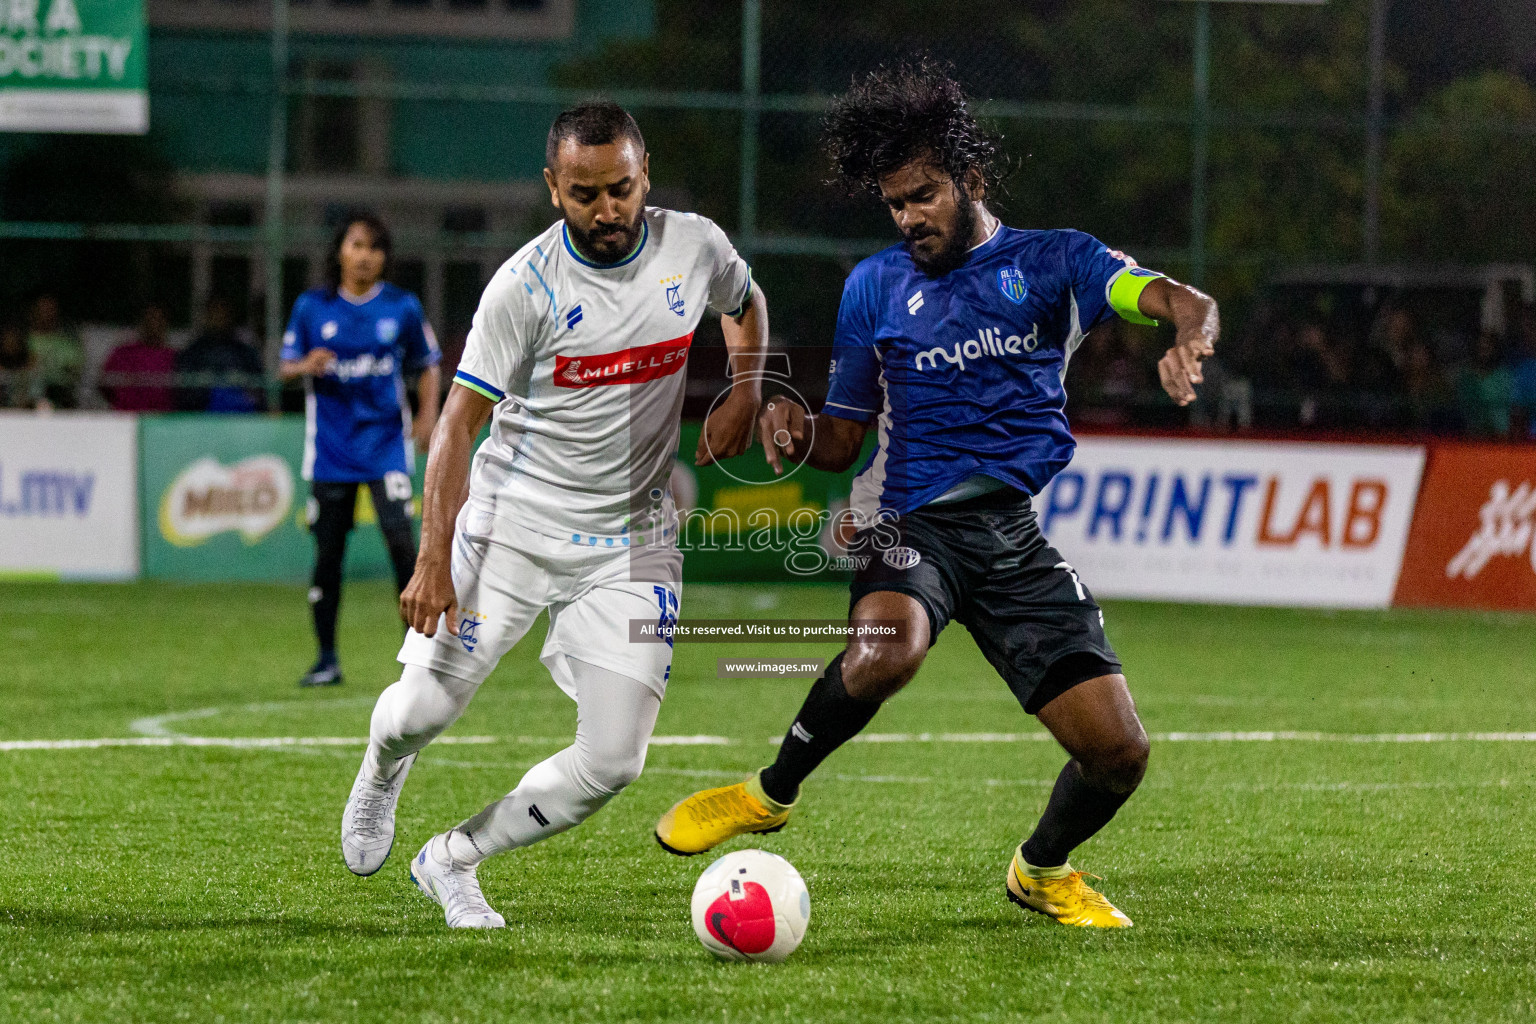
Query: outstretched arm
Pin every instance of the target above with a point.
(1195, 317)
(821, 442)
(430, 592)
(728, 431)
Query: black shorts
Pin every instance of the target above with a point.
(332, 504)
(985, 563)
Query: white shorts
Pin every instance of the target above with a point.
(505, 574)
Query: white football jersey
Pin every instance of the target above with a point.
(587, 364)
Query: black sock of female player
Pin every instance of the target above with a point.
(333, 521)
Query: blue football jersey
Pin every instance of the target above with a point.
(963, 374)
(358, 417)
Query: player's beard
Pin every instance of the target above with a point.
(956, 248)
(601, 248)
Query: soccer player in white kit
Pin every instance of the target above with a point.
(578, 354)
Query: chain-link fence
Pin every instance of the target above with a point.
(1243, 147)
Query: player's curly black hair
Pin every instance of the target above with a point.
(913, 109)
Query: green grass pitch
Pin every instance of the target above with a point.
(1291, 880)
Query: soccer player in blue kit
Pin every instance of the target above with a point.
(954, 346)
(354, 341)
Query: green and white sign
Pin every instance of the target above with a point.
(221, 499)
(73, 66)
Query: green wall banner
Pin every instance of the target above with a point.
(221, 499)
(73, 66)
(738, 522)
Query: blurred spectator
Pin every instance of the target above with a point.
(137, 376)
(1393, 337)
(57, 355)
(1108, 375)
(1485, 390)
(1429, 399)
(1125, 374)
(226, 371)
(1269, 353)
(16, 379)
(1384, 359)
(1524, 370)
(1321, 371)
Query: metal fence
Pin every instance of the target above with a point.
(763, 102)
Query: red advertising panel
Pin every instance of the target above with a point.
(1471, 541)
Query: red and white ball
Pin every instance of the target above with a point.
(751, 905)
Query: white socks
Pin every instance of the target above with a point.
(615, 717)
(412, 712)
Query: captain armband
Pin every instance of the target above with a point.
(1125, 293)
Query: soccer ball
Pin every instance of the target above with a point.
(751, 905)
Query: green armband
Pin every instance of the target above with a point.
(1125, 294)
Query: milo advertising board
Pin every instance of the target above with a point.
(738, 522)
(222, 499)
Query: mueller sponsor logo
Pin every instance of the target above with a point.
(989, 341)
(628, 366)
(251, 497)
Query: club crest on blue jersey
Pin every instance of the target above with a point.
(1011, 281)
(674, 287)
(388, 329)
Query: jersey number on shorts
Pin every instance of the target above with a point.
(397, 486)
(1081, 594)
(668, 617)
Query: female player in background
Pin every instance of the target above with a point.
(353, 341)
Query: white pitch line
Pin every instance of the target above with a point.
(157, 725)
(1337, 737)
(261, 742)
(1211, 737)
(241, 742)
(692, 741)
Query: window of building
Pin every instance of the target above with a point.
(324, 130)
(465, 220)
(410, 274)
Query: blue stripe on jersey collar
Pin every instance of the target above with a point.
(645, 233)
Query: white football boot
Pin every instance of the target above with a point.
(368, 823)
(454, 886)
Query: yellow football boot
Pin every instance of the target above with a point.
(1069, 900)
(711, 816)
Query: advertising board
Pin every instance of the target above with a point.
(1471, 544)
(73, 66)
(1235, 522)
(222, 499)
(68, 495)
